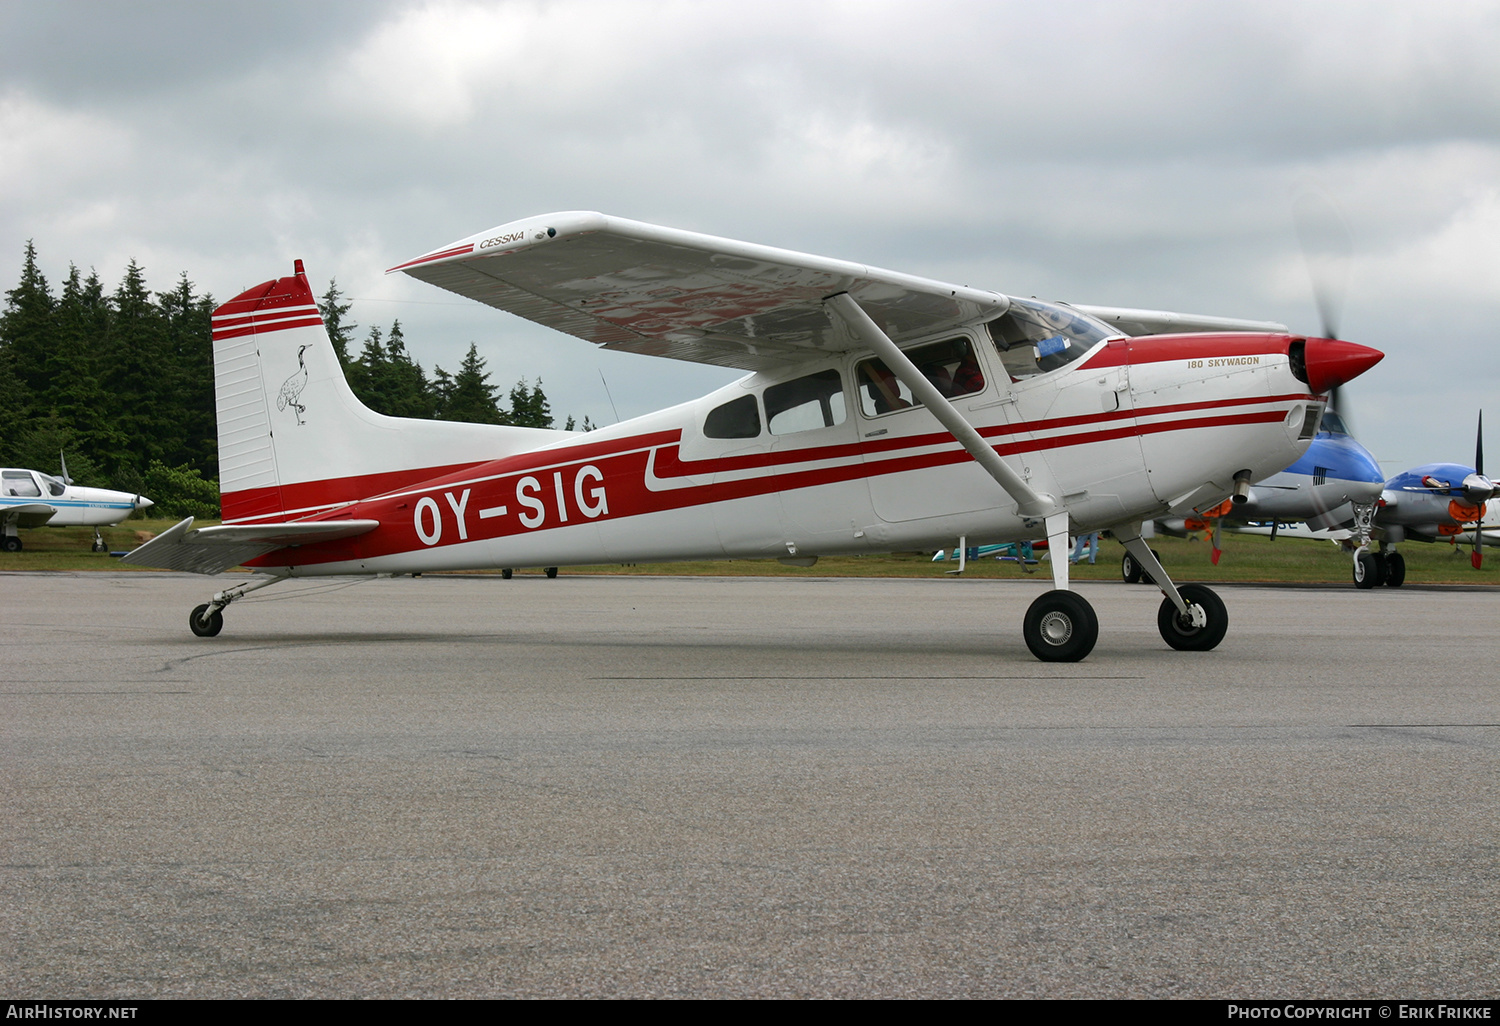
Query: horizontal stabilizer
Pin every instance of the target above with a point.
(211, 550)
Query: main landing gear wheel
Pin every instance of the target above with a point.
(551, 572)
(11, 543)
(1179, 631)
(1395, 570)
(1060, 627)
(206, 624)
(505, 575)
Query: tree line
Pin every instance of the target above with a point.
(122, 383)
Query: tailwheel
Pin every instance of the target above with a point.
(205, 621)
(1395, 569)
(1181, 632)
(1366, 570)
(1060, 627)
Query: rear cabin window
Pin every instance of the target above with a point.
(806, 404)
(951, 366)
(1035, 337)
(738, 418)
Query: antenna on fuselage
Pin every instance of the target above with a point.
(610, 397)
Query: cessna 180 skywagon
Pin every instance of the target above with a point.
(882, 412)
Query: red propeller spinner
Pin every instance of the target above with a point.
(1330, 362)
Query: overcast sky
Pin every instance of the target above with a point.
(1133, 154)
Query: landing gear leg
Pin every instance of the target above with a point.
(1191, 618)
(1371, 569)
(1060, 627)
(207, 620)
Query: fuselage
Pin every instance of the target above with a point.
(832, 457)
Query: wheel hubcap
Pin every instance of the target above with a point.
(1057, 628)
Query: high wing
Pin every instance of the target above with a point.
(28, 514)
(642, 288)
(665, 292)
(210, 550)
(1165, 322)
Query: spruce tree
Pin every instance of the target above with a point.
(470, 396)
(340, 330)
(528, 406)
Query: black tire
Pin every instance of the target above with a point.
(11, 543)
(1395, 570)
(551, 572)
(1182, 635)
(205, 624)
(506, 574)
(1060, 627)
(98, 547)
(1130, 569)
(1366, 570)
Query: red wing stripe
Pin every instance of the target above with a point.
(430, 257)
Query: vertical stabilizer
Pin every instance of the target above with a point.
(293, 439)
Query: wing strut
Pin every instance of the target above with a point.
(1029, 502)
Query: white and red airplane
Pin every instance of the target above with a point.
(882, 412)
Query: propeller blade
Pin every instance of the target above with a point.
(1479, 447)
(1328, 248)
(63, 459)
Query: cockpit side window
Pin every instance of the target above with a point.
(19, 483)
(54, 485)
(806, 403)
(950, 365)
(1033, 337)
(738, 418)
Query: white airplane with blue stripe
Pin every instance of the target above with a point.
(29, 498)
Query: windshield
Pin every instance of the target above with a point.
(1333, 423)
(1035, 337)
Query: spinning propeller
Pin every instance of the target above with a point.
(1328, 249)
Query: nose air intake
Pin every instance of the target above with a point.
(1327, 363)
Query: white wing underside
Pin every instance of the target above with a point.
(664, 292)
(642, 288)
(211, 550)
